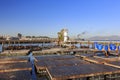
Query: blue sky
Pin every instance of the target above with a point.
(47, 17)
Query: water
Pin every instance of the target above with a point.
(33, 44)
(28, 44)
(78, 45)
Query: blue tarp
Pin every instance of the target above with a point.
(95, 44)
(112, 47)
(119, 48)
(106, 47)
(99, 46)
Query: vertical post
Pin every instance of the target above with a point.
(19, 43)
(42, 44)
(2, 46)
(116, 47)
(14, 45)
(105, 77)
(88, 78)
(89, 44)
(80, 44)
(93, 45)
(14, 42)
(9, 43)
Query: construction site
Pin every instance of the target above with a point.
(60, 67)
(65, 61)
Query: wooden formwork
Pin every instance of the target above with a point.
(4, 60)
(10, 64)
(109, 61)
(16, 75)
(71, 67)
(8, 67)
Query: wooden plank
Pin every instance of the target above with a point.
(49, 74)
(12, 70)
(6, 67)
(13, 62)
(3, 59)
(108, 64)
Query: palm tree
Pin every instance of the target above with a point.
(60, 37)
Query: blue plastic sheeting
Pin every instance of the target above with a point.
(112, 47)
(119, 48)
(99, 46)
(106, 47)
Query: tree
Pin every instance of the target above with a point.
(60, 36)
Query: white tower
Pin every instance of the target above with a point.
(65, 35)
